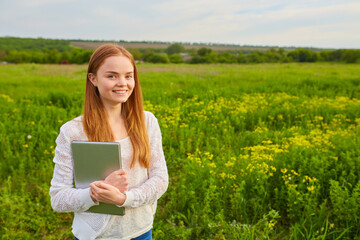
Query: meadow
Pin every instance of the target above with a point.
(264, 151)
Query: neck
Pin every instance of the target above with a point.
(114, 112)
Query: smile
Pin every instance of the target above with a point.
(119, 91)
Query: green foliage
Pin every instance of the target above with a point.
(175, 58)
(76, 55)
(351, 56)
(346, 203)
(227, 57)
(156, 58)
(27, 50)
(136, 53)
(174, 48)
(38, 44)
(202, 52)
(303, 55)
(79, 56)
(265, 151)
(205, 55)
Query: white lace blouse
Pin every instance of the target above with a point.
(145, 187)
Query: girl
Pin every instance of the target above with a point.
(113, 111)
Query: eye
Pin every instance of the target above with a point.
(111, 76)
(129, 76)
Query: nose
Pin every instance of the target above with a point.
(121, 81)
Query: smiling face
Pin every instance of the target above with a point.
(114, 80)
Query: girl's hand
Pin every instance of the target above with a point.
(103, 192)
(118, 179)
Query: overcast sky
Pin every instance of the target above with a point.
(305, 23)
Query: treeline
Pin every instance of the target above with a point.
(75, 55)
(21, 50)
(205, 55)
(36, 44)
(30, 50)
(176, 53)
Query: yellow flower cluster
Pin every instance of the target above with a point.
(50, 151)
(339, 102)
(315, 132)
(224, 175)
(260, 156)
(7, 98)
(272, 223)
(202, 158)
(292, 179)
(231, 162)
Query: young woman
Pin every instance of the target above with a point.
(113, 111)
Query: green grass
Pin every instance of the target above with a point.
(267, 151)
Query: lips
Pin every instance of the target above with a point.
(119, 91)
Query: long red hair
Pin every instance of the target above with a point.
(95, 118)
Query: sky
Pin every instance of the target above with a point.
(283, 23)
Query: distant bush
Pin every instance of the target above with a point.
(175, 58)
(351, 56)
(157, 58)
(205, 55)
(303, 55)
(227, 57)
(204, 51)
(175, 48)
(136, 53)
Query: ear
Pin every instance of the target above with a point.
(92, 79)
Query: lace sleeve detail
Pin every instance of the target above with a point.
(64, 197)
(158, 180)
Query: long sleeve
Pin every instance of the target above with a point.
(145, 187)
(156, 184)
(64, 197)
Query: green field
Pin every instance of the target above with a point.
(267, 151)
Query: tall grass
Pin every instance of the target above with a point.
(264, 151)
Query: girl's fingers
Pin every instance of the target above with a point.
(100, 186)
(93, 195)
(96, 184)
(121, 172)
(104, 192)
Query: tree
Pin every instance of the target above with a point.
(337, 54)
(175, 58)
(241, 58)
(2, 54)
(226, 57)
(80, 56)
(175, 48)
(147, 56)
(136, 53)
(52, 56)
(204, 51)
(205, 55)
(65, 56)
(255, 57)
(274, 55)
(158, 58)
(351, 56)
(303, 55)
(326, 56)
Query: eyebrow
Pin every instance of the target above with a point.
(117, 72)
